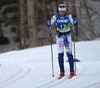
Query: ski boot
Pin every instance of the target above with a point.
(61, 75)
(71, 74)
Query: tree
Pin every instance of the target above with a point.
(33, 38)
(22, 23)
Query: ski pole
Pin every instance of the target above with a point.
(74, 50)
(50, 32)
(74, 46)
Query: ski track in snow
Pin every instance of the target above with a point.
(25, 69)
(22, 71)
(94, 85)
(55, 82)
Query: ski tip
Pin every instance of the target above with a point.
(68, 77)
(58, 78)
(61, 77)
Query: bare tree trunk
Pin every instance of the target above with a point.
(89, 21)
(74, 12)
(44, 13)
(80, 17)
(67, 5)
(61, 1)
(58, 2)
(1, 32)
(22, 23)
(54, 7)
(33, 38)
(37, 21)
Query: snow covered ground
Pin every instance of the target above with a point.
(31, 68)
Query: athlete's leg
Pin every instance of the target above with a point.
(68, 47)
(60, 45)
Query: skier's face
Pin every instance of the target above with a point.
(62, 13)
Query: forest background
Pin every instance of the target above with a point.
(23, 22)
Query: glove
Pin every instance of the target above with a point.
(49, 18)
(75, 23)
(48, 23)
(73, 16)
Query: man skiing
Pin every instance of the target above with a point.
(63, 22)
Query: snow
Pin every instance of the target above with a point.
(31, 68)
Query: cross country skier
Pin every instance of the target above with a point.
(63, 22)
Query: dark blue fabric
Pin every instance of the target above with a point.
(48, 24)
(74, 60)
(70, 58)
(61, 61)
(75, 23)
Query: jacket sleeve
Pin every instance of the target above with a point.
(73, 21)
(53, 19)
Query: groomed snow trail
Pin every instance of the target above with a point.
(39, 76)
(31, 68)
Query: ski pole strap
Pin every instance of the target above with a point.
(62, 33)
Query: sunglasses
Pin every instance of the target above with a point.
(62, 6)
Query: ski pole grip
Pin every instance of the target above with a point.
(73, 16)
(49, 18)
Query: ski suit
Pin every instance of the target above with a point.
(63, 37)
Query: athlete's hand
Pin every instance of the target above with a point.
(73, 16)
(49, 18)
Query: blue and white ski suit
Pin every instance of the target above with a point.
(63, 36)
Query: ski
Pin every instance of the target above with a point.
(71, 76)
(60, 77)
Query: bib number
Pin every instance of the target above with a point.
(62, 26)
